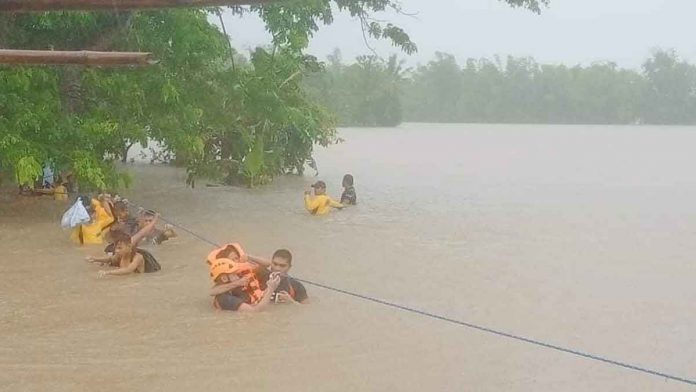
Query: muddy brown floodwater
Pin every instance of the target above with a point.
(580, 236)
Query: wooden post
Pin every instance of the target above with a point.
(114, 5)
(84, 57)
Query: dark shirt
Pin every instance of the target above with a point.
(298, 292)
(349, 196)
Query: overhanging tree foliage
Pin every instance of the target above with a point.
(241, 123)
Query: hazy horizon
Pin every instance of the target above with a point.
(568, 32)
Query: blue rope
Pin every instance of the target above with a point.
(503, 334)
(473, 326)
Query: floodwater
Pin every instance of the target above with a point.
(578, 236)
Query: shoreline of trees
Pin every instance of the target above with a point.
(372, 92)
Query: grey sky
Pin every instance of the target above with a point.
(569, 31)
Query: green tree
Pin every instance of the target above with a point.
(671, 89)
(242, 122)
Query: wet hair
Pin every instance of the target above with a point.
(120, 237)
(225, 253)
(348, 180)
(283, 254)
(119, 207)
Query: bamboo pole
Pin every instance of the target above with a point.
(84, 57)
(114, 5)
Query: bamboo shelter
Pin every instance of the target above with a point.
(113, 5)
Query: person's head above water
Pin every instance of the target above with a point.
(319, 188)
(347, 180)
(147, 217)
(281, 261)
(121, 210)
(231, 253)
(122, 243)
(222, 272)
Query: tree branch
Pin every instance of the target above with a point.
(114, 5)
(48, 57)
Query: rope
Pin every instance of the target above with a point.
(180, 227)
(492, 331)
(504, 334)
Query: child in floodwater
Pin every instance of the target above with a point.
(348, 197)
(156, 236)
(142, 233)
(127, 258)
(236, 285)
(320, 204)
(124, 221)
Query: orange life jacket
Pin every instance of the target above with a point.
(242, 269)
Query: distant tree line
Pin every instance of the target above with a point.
(375, 92)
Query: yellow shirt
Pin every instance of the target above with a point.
(93, 233)
(320, 205)
(102, 215)
(60, 193)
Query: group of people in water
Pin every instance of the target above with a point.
(322, 204)
(59, 186)
(240, 281)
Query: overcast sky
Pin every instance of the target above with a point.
(569, 31)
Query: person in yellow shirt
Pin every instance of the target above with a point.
(320, 204)
(94, 231)
(60, 192)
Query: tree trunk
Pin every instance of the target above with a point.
(227, 38)
(114, 5)
(124, 153)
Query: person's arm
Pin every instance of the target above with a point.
(145, 231)
(102, 260)
(286, 298)
(300, 294)
(259, 260)
(109, 209)
(333, 203)
(137, 260)
(265, 300)
(225, 287)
